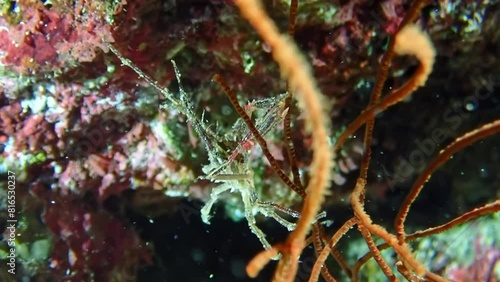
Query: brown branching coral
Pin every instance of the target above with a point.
(234, 173)
(408, 41)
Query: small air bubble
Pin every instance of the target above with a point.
(484, 172)
(471, 107)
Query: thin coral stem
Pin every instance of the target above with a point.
(364, 219)
(288, 104)
(362, 260)
(294, 4)
(336, 254)
(318, 248)
(413, 12)
(292, 157)
(262, 142)
(475, 213)
(260, 260)
(376, 254)
(433, 277)
(320, 261)
(460, 143)
(405, 272)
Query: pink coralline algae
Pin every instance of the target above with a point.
(10, 119)
(482, 267)
(37, 133)
(45, 39)
(89, 242)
